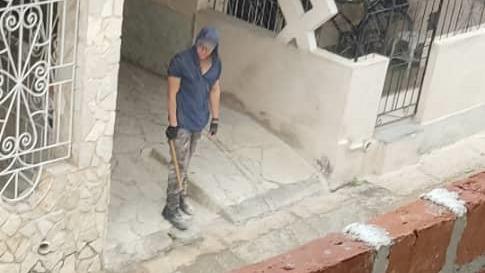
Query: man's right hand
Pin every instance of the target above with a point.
(171, 132)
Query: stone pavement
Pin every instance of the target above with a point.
(136, 231)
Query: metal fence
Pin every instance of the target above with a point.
(403, 30)
(431, 19)
(460, 16)
(263, 13)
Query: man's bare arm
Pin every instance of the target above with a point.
(215, 98)
(173, 89)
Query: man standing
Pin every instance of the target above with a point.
(193, 95)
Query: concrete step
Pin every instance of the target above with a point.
(404, 142)
(228, 191)
(247, 171)
(397, 147)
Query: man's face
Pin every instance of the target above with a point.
(204, 51)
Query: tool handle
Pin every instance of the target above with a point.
(176, 163)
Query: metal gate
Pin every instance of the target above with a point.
(427, 20)
(404, 31)
(37, 61)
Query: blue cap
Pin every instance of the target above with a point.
(208, 35)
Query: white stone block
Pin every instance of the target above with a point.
(69, 265)
(94, 30)
(104, 148)
(118, 7)
(12, 225)
(51, 259)
(44, 226)
(95, 266)
(22, 250)
(28, 263)
(95, 7)
(88, 228)
(3, 248)
(87, 253)
(9, 268)
(109, 103)
(112, 27)
(101, 222)
(28, 230)
(96, 131)
(96, 161)
(7, 257)
(3, 216)
(13, 243)
(101, 115)
(110, 125)
(107, 8)
(39, 267)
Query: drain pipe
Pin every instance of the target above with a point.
(363, 145)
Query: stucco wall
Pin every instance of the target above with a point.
(311, 100)
(454, 81)
(154, 30)
(69, 208)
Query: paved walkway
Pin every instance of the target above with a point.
(136, 231)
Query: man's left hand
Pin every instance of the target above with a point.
(213, 127)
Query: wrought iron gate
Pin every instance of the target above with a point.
(430, 20)
(37, 61)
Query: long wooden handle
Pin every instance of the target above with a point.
(176, 163)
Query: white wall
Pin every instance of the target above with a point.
(311, 100)
(455, 80)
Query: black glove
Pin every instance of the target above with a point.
(171, 132)
(213, 127)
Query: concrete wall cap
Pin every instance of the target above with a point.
(372, 235)
(447, 199)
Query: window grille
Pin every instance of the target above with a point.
(37, 69)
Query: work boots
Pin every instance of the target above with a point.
(185, 205)
(175, 218)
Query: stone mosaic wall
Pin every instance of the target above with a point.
(61, 227)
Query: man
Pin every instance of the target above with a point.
(193, 95)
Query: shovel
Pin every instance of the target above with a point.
(177, 167)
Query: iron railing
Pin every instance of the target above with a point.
(459, 16)
(404, 31)
(262, 13)
(432, 19)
